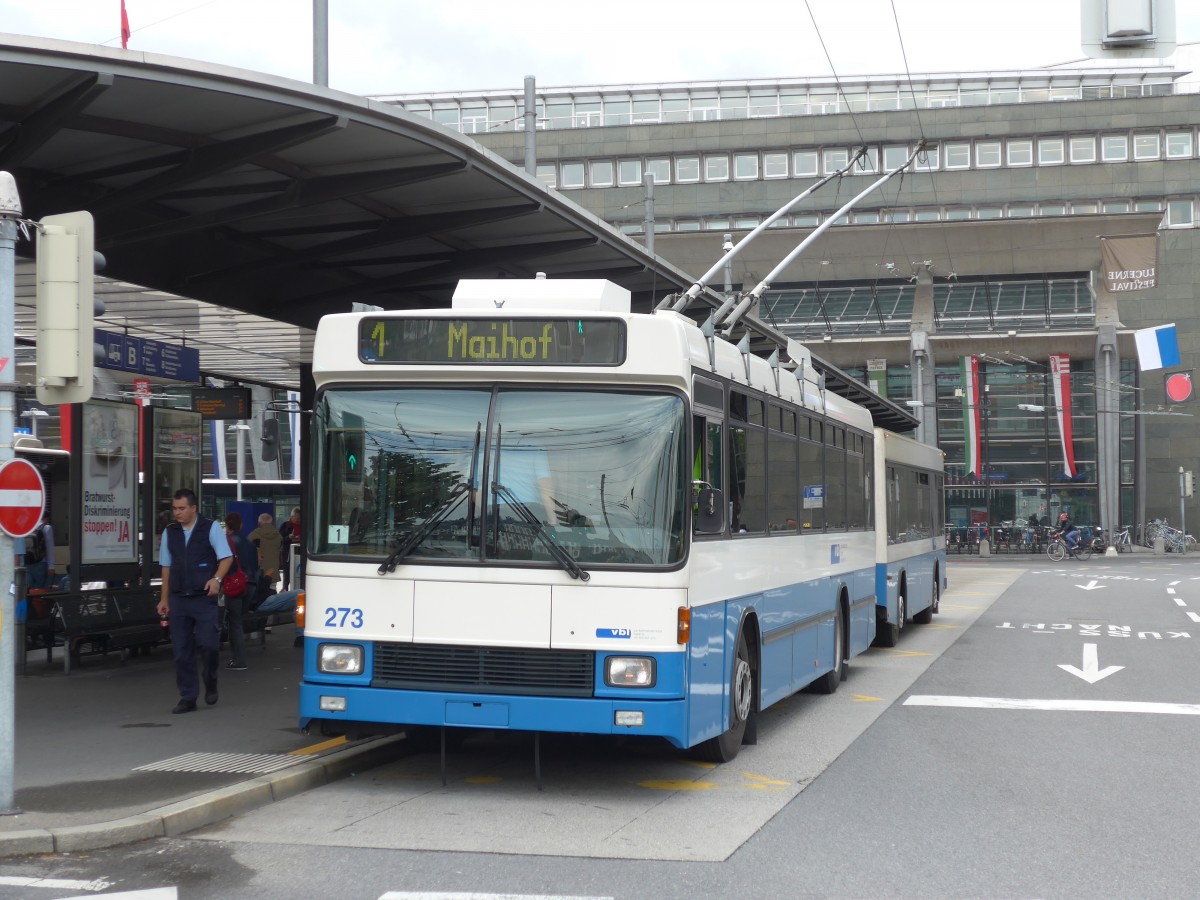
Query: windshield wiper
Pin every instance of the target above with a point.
(565, 559)
(435, 519)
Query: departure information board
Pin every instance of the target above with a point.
(492, 341)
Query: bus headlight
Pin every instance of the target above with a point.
(340, 659)
(629, 671)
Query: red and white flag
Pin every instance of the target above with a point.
(1060, 375)
(972, 444)
(124, 27)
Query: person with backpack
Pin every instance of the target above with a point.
(39, 555)
(239, 592)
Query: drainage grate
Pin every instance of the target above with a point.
(234, 763)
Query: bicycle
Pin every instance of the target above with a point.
(1122, 540)
(1057, 550)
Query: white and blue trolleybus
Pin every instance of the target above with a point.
(539, 511)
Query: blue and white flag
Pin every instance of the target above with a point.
(1157, 348)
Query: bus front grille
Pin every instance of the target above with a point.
(484, 670)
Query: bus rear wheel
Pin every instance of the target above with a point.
(828, 683)
(888, 633)
(724, 747)
(925, 616)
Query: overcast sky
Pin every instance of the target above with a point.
(403, 46)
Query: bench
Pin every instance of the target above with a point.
(101, 621)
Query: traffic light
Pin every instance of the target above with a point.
(1188, 487)
(270, 439)
(352, 448)
(66, 267)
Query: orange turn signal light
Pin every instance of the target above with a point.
(300, 610)
(683, 625)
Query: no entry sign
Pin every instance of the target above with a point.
(22, 497)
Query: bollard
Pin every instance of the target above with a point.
(985, 547)
(1160, 548)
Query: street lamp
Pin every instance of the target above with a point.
(241, 428)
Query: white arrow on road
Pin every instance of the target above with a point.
(1091, 671)
(1091, 586)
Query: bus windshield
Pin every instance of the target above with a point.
(470, 475)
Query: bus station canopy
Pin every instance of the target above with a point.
(234, 208)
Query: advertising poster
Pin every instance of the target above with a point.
(109, 483)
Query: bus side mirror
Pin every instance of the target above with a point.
(710, 512)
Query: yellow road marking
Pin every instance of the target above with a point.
(700, 764)
(904, 652)
(676, 784)
(935, 625)
(763, 779)
(863, 698)
(317, 748)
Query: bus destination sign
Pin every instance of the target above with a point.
(491, 342)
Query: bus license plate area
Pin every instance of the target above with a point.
(479, 715)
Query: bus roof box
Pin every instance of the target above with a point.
(592, 294)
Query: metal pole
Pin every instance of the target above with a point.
(648, 220)
(241, 458)
(1182, 522)
(726, 246)
(530, 125)
(10, 211)
(321, 42)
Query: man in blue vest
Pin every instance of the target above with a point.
(191, 580)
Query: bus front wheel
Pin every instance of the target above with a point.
(724, 747)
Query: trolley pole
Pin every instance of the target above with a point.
(10, 213)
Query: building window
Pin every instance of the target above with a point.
(1051, 152)
(927, 159)
(957, 213)
(716, 168)
(630, 228)
(1020, 210)
(687, 168)
(447, 117)
(660, 169)
(832, 160)
(1179, 214)
(547, 173)
(629, 171)
(616, 112)
(746, 223)
(1115, 206)
(1083, 149)
(716, 224)
(804, 162)
(572, 175)
(987, 154)
(1020, 153)
(763, 104)
(927, 215)
(1147, 206)
(745, 166)
(687, 225)
(867, 162)
(1084, 208)
(989, 212)
(775, 165)
(1179, 144)
(646, 111)
(894, 156)
(958, 156)
(1146, 146)
(1052, 209)
(676, 109)
(869, 217)
(805, 220)
(600, 173)
(1114, 148)
(897, 215)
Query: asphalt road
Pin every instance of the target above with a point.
(992, 754)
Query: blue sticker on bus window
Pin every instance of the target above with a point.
(835, 554)
(614, 633)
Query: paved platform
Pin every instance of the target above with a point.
(101, 760)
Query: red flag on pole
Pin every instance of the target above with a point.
(124, 27)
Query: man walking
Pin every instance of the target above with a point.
(191, 580)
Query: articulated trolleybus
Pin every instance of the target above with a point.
(538, 511)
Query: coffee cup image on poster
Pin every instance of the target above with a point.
(109, 482)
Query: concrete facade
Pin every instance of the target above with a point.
(1027, 218)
